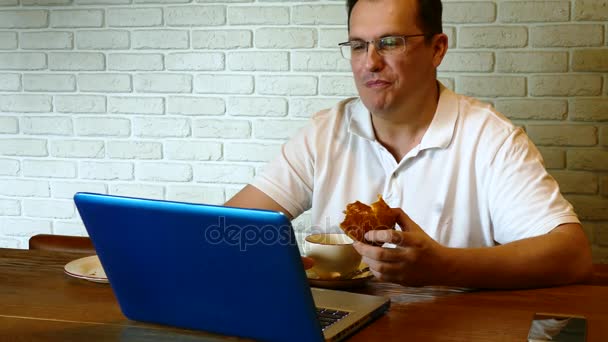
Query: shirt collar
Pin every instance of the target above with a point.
(438, 135)
(441, 130)
(361, 121)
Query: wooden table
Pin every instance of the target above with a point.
(38, 302)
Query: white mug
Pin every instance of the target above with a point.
(333, 253)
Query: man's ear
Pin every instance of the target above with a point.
(440, 47)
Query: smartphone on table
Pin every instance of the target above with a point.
(558, 327)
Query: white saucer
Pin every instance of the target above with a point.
(87, 268)
(340, 283)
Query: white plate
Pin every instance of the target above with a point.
(87, 268)
(340, 283)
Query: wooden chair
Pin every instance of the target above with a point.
(62, 243)
(600, 275)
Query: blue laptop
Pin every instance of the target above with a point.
(230, 271)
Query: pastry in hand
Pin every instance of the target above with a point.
(361, 218)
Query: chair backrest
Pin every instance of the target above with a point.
(62, 243)
(600, 275)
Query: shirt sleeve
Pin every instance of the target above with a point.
(524, 199)
(288, 179)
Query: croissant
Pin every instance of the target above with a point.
(361, 218)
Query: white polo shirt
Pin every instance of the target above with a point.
(474, 179)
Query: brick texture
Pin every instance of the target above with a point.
(565, 85)
(196, 194)
(563, 135)
(46, 40)
(80, 104)
(566, 35)
(589, 109)
(533, 109)
(590, 60)
(541, 11)
(590, 10)
(576, 182)
(529, 62)
(124, 149)
(469, 12)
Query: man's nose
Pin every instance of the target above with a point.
(373, 60)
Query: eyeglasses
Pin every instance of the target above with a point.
(385, 46)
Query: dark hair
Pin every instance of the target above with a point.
(429, 16)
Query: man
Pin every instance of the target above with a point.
(476, 206)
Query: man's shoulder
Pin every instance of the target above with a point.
(336, 119)
(478, 112)
(490, 128)
(339, 111)
(479, 116)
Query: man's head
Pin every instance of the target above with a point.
(396, 77)
(429, 15)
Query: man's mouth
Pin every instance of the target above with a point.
(377, 84)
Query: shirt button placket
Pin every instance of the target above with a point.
(389, 194)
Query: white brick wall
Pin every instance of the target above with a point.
(80, 104)
(128, 149)
(136, 105)
(187, 100)
(196, 105)
(46, 40)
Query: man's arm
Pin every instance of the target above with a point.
(252, 197)
(560, 257)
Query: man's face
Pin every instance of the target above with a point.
(388, 83)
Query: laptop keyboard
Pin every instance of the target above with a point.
(327, 317)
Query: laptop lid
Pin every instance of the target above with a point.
(226, 270)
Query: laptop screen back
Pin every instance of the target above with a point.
(226, 270)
